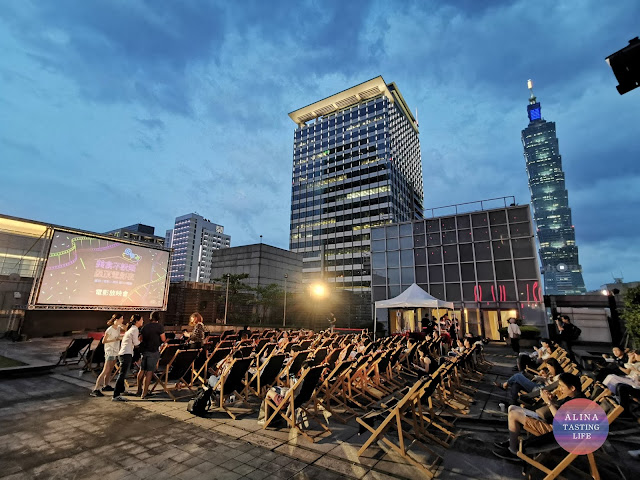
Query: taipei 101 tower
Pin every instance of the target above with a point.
(556, 234)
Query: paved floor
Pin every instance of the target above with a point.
(51, 428)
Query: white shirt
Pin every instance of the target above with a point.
(513, 330)
(112, 348)
(131, 339)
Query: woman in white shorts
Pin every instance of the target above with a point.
(111, 341)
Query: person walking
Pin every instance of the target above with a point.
(152, 336)
(514, 335)
(111, 342)
(130, 340)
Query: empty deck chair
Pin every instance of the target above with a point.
(297, 398)
(333, 392)
(396, 417)
(266, 374)
(233, 380)
(76, 352)
(95, 359)
(177, 373)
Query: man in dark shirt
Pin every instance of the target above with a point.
(614, 364)
(151, 337)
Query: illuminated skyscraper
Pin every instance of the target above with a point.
(556, 235)
(356, 164)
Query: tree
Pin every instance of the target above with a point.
(235, 286)
(631, 314)
(268, 297)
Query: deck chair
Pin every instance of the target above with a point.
(297, 398)
(177, 373)
(332, 358)
(319, 356)
(244, 352)
(547, 442)
(266, 375)
(233, 380)
(76, 352)
(395, 418)
(293, 368)
(201, 372)
(427, 416)
(334, 390)
(95, 359)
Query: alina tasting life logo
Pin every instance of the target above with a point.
(580, 426)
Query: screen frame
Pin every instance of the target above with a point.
(35, 291)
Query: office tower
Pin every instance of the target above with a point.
(193, 239)
(556, 234)
(138, 233)
(356, 164)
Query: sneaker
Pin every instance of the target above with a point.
(504, 444)
(634, 453)
(119, 398)
(96, 393)
(506, 454)
(107, 388)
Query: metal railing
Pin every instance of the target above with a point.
(457, 208)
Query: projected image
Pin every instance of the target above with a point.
(85, 270)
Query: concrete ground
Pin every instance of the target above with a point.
(51, 428)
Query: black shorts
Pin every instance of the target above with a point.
(149, 361)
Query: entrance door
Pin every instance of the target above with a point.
(491, 324)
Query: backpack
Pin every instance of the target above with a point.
(575, 333)
(199, 404)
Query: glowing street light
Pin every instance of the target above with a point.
(318, 290)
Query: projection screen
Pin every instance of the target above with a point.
(85, 270)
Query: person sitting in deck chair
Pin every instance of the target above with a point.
(569, 387)
(276, 395)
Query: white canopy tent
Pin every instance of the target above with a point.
(412, 297)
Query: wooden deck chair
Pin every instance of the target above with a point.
(297, 398)
(305, 344)
(395, 418)
(332, 358)
(233, 380)
(333, 392)
(353, 382)
(261, 343)
(427, 416)
(266, 374)
(76, 352)
(293, 367)
(613, 411)
(201, 373)
(243, 352)
(177, 374)
(319, 356)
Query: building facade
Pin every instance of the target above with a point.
(356, 165)
(550, 199)
(138, 233)
(483, 261)
(263, 263)
(194, 239)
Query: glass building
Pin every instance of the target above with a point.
(356, 165)
(556, 234)
(482, 261)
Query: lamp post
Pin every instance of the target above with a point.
(226, 299)
(284, 312)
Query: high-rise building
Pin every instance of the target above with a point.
(356, 164)
(139, 233)
(556, 234)
(193, 239)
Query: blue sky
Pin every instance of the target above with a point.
(119, 112)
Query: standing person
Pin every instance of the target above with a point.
(568, 333)
(111, 342)
(197, 335)
(332, 321)
(152, 336)
(453, 332)
(130, 340)
(514, 335)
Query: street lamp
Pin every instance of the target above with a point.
(226, 299)
(284, 313)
